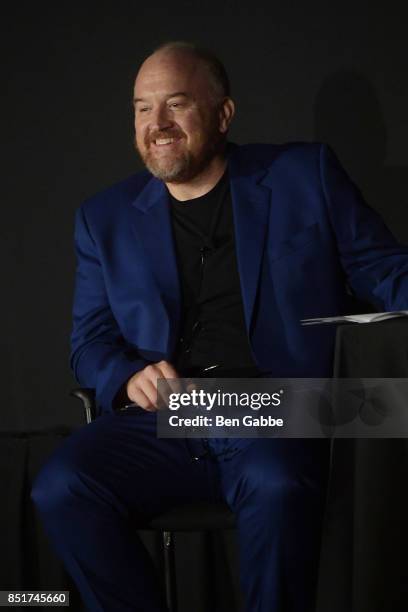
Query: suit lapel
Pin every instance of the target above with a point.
(152, 226)
(250, 203)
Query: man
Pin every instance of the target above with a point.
(210, 257)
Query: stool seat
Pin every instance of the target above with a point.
(198, 516)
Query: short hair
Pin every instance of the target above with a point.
(214, 65)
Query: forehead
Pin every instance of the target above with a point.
(162, 73)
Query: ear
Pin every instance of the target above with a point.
(225, 114)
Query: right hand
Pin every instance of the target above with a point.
(141, 388)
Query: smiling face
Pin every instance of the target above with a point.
(179, 125)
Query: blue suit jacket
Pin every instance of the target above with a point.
(305, 243)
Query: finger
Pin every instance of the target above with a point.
(168, 370)
(153, 373)
(149, 388)
(147, 382)
(163, 391)
(191, 385)
(142, 399)
(171, 375)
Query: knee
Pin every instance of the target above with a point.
(51, 487)
(272, 489)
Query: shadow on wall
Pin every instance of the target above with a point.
(348, 116)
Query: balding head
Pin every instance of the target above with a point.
(201, 62)
(218, 78)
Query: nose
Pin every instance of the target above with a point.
(160, 118)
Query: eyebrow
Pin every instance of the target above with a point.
(172, 95)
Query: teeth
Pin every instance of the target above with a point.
(163, 141)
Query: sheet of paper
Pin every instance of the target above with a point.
(371, 317)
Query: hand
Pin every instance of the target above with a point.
(141, 388)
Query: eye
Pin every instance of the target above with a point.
(143, 109)
(175, 104)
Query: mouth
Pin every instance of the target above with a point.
(164, 143)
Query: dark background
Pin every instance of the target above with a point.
(334, 72)
(326, 71)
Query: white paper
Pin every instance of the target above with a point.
(371, 317)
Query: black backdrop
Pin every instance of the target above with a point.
(334, 72)
(300, 71)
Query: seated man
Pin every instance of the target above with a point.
(211, 256)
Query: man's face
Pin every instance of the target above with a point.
(177, 123)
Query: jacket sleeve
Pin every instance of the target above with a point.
(376, 265)
(100, 357)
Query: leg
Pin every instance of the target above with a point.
(277, 488)
(104, 477)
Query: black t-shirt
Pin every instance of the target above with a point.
(212, 326)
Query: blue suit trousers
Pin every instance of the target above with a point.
(115, 469)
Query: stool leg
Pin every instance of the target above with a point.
(169, 570)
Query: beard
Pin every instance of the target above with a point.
(184, 165)
(176, 168)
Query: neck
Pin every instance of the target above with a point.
(200, 184)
